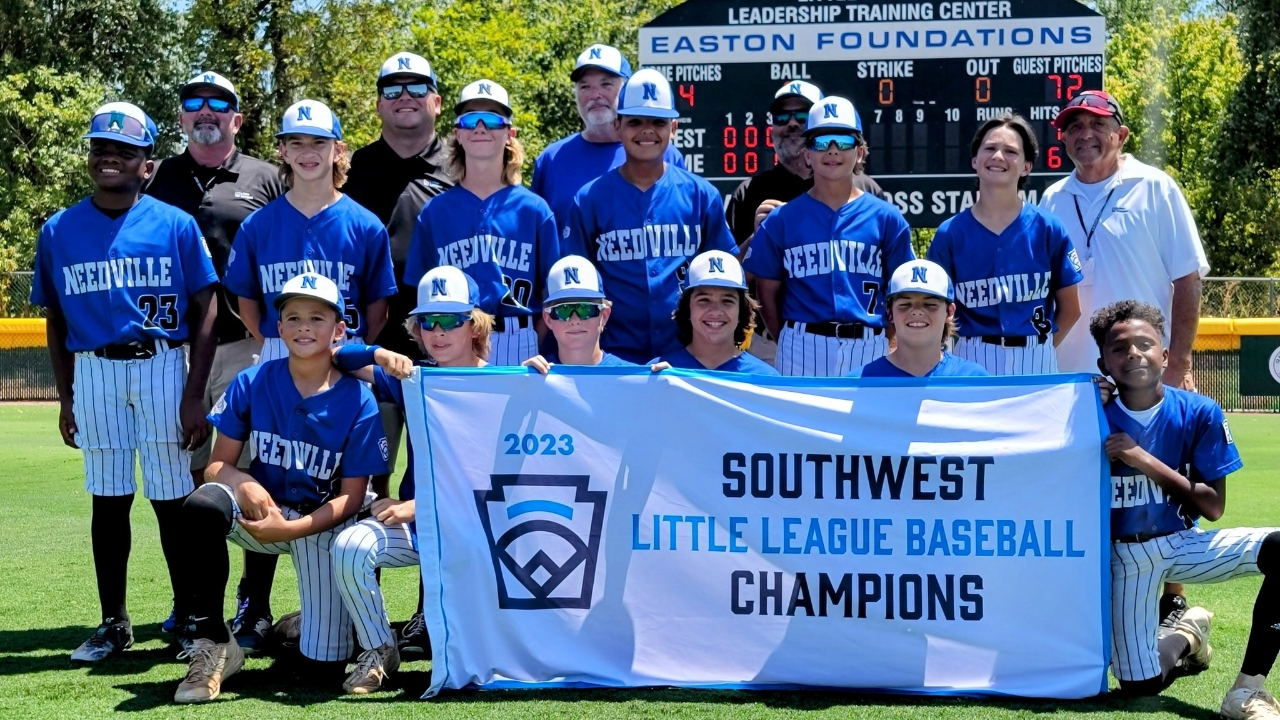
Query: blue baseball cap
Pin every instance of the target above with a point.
(446, 289)
(603, 57)
(716, 268)
(647, 94)
(922, 276)
(310, 285)
(572, 278)
(209, 79)
(310, 117)
(833, 115)
(124, 123)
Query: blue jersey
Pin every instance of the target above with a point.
(607, 360)
(302, 447)
(835, 264)
(122, 280)
(642, 243)
(344, 242)
(949, 366)
(507, 243)
(743, 363)
(1188, 433)
(1006, 284)
(566, 165)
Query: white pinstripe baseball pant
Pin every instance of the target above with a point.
(1138, 574)
(1037, 359)
(357, 552)
(326, 625)
(513, 344)
(806, 354)
(123, 407)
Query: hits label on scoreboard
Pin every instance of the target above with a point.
(923, 76)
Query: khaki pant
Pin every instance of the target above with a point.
(228, 360)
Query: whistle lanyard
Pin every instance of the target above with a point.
(1089, 231)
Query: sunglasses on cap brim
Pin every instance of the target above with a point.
(1094, 101)
(823, 143)
(584, 310)
(221, 106)
(446, 321)
(120, 124)
(490, 120)
(415, 90)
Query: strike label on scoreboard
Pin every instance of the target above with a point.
(923, 76)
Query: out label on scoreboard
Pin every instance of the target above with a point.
(923, 76)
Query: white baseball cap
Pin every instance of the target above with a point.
(122, 122)
(833, 114)
(573, 277)
(446, 289)
(484, 90)
(796, 88)
(647, 94)
(716, 268)
(310, 117)
(311, 285)
(209, 79)
(604, 57)
(406, 63)
(922, 276)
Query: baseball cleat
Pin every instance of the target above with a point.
(110, 638)
(372, 668)
(170, 625)
(288, 629)
(1172, 608)
(209, 665)
(1249, 700)
(413, 636)
(252, 630)
(1194, 626)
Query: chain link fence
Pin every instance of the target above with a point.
(15, 294)
(1240, 298)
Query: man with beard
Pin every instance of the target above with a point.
(566, 165)
(220, 187)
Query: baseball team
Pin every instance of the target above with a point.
(214, 291)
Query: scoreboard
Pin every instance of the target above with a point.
(923, 76)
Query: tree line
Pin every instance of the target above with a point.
(1199, 81)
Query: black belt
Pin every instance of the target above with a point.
(1015, 341)
(1141, 537)
(519, 321)
(137, 350)
(844, 331)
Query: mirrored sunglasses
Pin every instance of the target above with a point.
(800, 116)
(415, 90)
(120, 124)
(823, 143)
(218, 105)
(446, 321)
(584, 311)
(491, 120)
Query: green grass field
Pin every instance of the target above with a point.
(48, 605)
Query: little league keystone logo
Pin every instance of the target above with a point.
(544, 538)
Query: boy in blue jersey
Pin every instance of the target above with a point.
(566, 165)
(921, 308)
(714, 317)
(576, 311)
(1171, 451)
(315, 438)
(822, 262)
(641, 223)
(127, 280)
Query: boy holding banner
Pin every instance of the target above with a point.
(1171, 451)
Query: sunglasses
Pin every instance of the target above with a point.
(800, 116)
(415, 90)
(120, 124)
(823, 143)
(1098, 101)
(584, 311)
(218, 105)
(491, 120)
(446, 321)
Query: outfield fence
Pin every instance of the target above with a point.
(25, 373)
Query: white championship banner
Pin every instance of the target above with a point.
(610, 527)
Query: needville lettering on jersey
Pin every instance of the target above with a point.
(462, 254)
(824, 258)
(1016, 288)
(105, 275)
(273, 276)
(651, 241)
(271, 449)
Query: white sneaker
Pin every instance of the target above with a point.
(210, 664)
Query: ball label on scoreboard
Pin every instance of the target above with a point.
(923, 75)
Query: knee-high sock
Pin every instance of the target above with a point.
(112, 542)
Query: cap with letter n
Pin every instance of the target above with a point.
(314, 286)
(716, 268)
(647, 94)
(833, 114)
(446, 289)
(122, 122)
(922, 276)
(406, 64)
(602, 57)
(573, 278)
(310, 117)
(1094, 102)
(210, 79)
(796, 89)
(484, 90)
